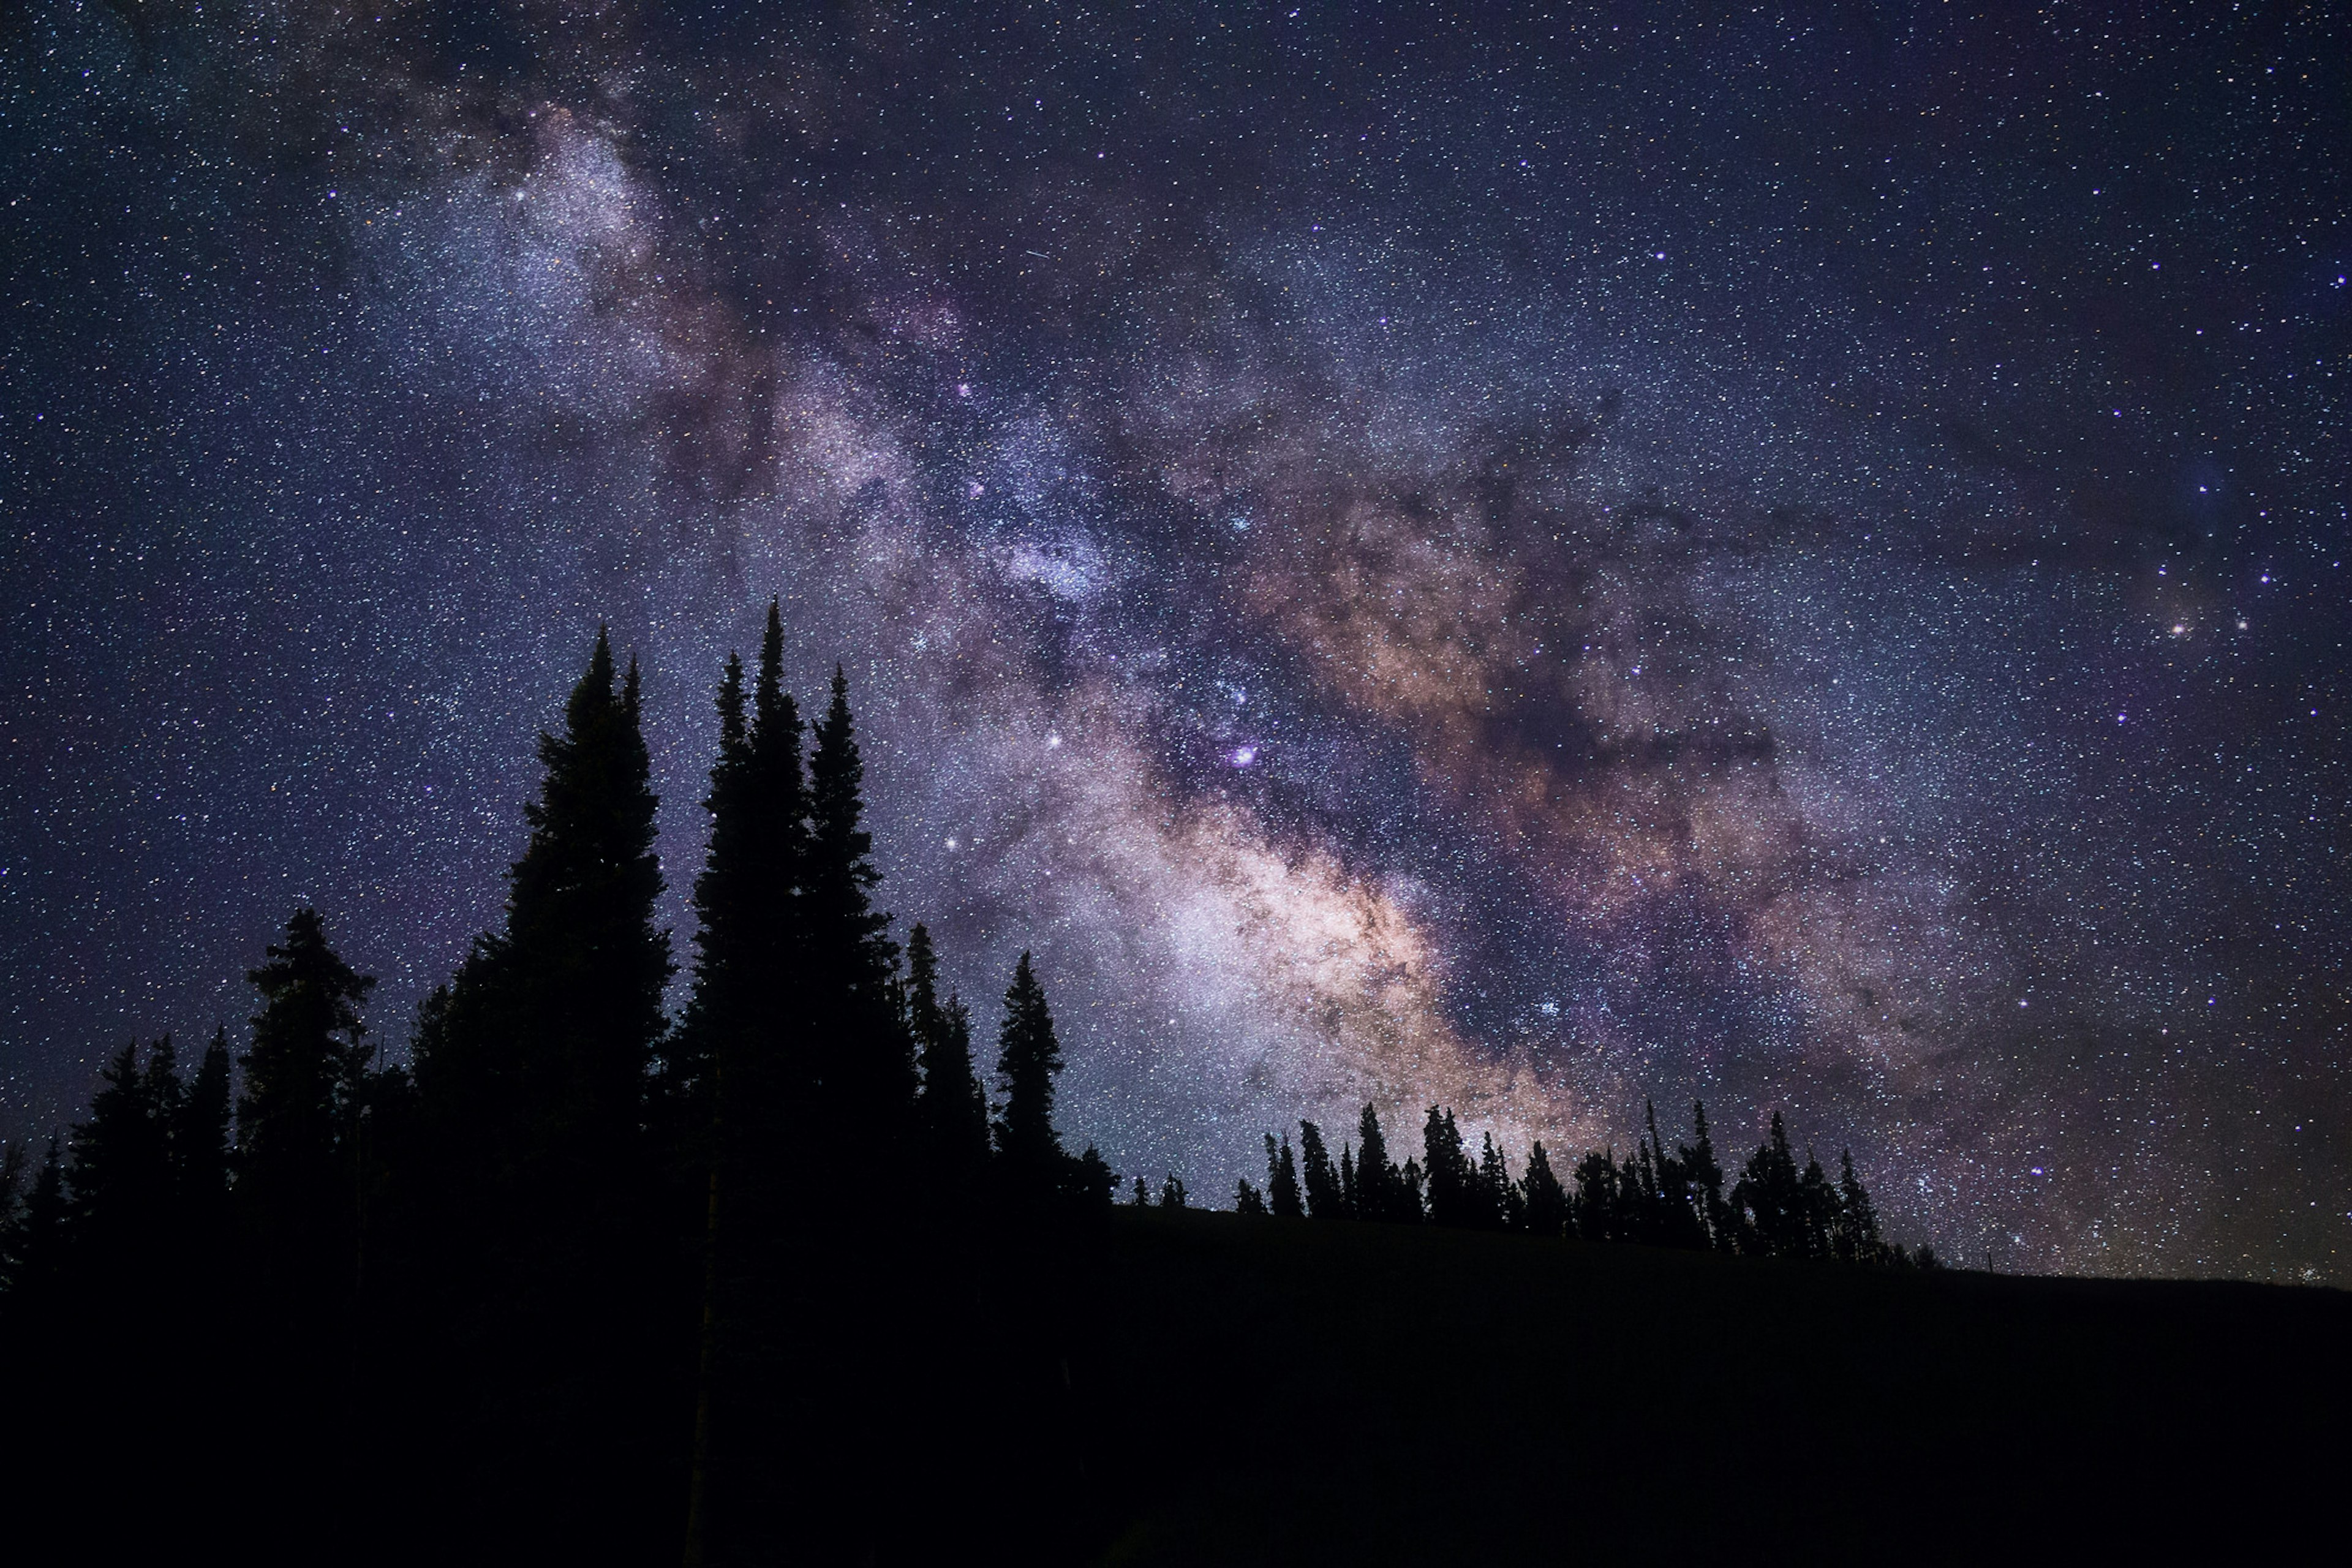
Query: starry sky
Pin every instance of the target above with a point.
(1521, 557)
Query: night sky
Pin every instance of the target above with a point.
(1411, 552)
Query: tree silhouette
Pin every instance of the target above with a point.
(954, 1113)
(304, 1075)
(1546, 1207)
(1028, 1058)
(1246, 1198)
(1282, 1192)
(866, 1067)
(1323, 1196)
(1456, 1195)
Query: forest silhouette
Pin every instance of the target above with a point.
(787, 1276)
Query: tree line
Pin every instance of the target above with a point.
(595, 1251)
(1653, 1195)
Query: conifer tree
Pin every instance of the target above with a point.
(1142, 1197)
(1858, 1237)
(303, 1077)
(1246, 1199)
(727, 901)
(34, 1238)
(122, 1160)
(1282, 1180)
(1322, 1178)
(1455, 1191)
(1546, 1207)
(865, 1063)
(1768, 1199)
(1173, 1193)
(200, 1136)
(1380, 1185)
(953, 1112)
(1092, 1181)
(1499, 1204)
(1028, 1058)
(1597, 1203)
(1348, 1181)
(1817, 1206)
(1705, 1178)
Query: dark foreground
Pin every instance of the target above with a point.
(1163, 1388)
(1289, 1393)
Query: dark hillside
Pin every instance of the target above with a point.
(1301, 1393)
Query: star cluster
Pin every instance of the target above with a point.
(1524, 557)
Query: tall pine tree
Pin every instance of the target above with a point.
(304, 1075)
(1028, 1058)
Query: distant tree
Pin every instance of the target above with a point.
(953, 1114)
(1545, 1201)
(1028, 1058)
(1348, 1181)
(303, 1078)
(1817, 1204)
(1246, 1199)
(1856, 1237)
(1705, 1177)
(1380, 1185)
(1091, 1180)
(1173, 1193)
(122, 1176)
(201, 1150)
(1598, 1206)
(1500, 1204)
(34, 1236)
(1323, 1199)
(1142, 1197)
(1413, 1208)
(1457, 1196)
(1283, 1197)
(1767, 1198)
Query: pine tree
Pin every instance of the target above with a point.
(1500, 1204)
(1142, 1197)
(534, 1062)
(1028, 1058)
(1172, 1194)
(864, 1060)
(1546, 1206)
(1767, 1201)
(726, 904)
(1858, 1237)
(1348, 1181)
(1817, 1209)
(34, 1238)
(1380, 1185)
(1597, 1202)
(1246, 1199)
(122, 1174)
(1322, 1178)
(1453, 1189)
(303, 1075)
(1413, 1209)
(201, 1152)
(1092, 1181)
(953, 1114)
(1705, 1178)
(1282, 1180)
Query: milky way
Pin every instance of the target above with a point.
(1526, 560)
